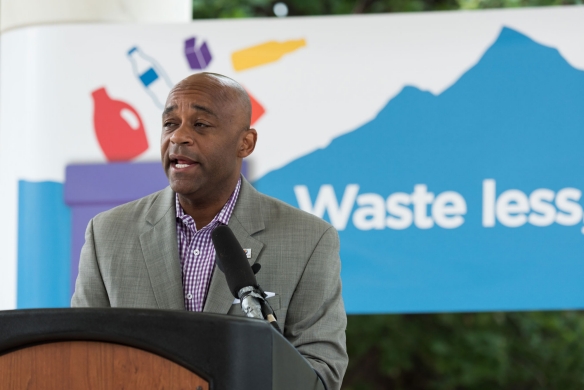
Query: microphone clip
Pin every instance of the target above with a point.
(254, 305)
(250, 299)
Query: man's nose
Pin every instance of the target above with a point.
(182, 136)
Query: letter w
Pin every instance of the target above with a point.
(326, 200)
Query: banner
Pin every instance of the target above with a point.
(444, 147)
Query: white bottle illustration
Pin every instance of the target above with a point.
(151, 75)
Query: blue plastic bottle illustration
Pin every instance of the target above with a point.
(151, 75)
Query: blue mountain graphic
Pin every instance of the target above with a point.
(517, 117)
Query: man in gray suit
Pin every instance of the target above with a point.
(156, 252)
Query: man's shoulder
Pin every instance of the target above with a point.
(131, 212)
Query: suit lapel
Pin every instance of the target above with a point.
(159, 247)
(245, 221)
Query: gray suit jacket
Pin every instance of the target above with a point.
(130, 259)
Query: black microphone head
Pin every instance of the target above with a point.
(232, 260)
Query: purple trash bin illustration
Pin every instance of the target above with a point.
(94, 188)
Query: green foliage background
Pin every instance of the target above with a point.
(515, 351)
(475, 351)
(203, 9)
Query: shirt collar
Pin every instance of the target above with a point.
(222, 217)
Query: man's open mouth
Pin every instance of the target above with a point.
(181, 162)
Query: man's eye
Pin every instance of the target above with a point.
(200, 124)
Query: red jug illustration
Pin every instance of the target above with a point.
(118, 127)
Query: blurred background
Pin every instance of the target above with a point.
(439, 349)
(259, 8)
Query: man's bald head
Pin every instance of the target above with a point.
(227, 90)
(205, 137)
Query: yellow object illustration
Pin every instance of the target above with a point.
(264, 53)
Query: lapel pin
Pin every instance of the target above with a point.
(247, 252)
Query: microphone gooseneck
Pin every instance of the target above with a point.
(240, 276)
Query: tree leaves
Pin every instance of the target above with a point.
(204, 9)
(537, 350)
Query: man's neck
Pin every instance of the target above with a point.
(203, 211)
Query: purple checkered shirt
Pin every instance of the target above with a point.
(197, 253)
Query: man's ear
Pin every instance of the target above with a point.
(248, 143)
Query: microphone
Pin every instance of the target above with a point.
(240, 276)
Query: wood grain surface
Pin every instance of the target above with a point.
(92, 365)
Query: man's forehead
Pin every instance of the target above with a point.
(172, 105)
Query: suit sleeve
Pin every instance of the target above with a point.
(89, 288)
(316, 320)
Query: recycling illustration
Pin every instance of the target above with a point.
(197, 57)
(151, 75)
(118, 128)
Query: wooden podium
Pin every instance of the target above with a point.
(146, 349)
